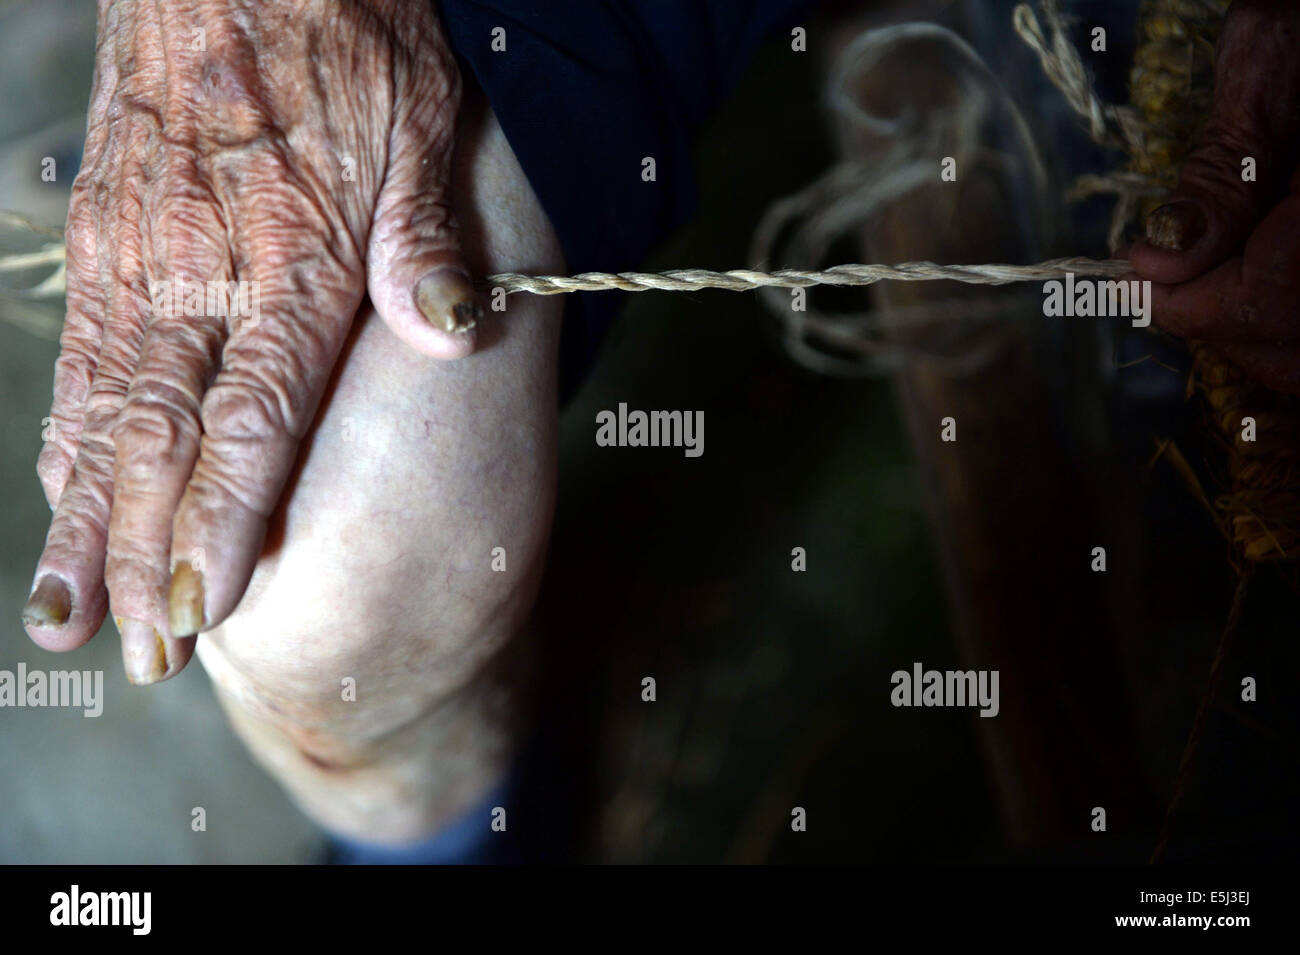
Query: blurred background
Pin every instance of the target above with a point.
(773, 686)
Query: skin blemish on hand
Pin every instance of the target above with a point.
(227, 79)
(212, 80)
(234, 110)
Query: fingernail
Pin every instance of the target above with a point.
(185, 600)
(1176, 226)
(50, 604)
(447, 299)
(143, 654)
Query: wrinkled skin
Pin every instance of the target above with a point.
(302, 145)
(1226, 253)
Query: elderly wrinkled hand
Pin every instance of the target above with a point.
(251, 172)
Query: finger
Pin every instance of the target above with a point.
(68, 602)
(156, 434)
(1245, 154)
(86, 307)
(156, 441)
(79, 344)
(419, 281)
(1254, 297)
(262, 402)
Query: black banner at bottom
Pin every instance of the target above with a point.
(304, 905)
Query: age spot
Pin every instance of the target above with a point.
(234, 111)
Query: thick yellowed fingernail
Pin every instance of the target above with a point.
(1175, 226)
(447, 299)
(144, 655)
(185, 600)
(50, 604)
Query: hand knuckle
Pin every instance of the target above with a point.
(73, 371)
(155, 428)
(246, 410)
(101, 411)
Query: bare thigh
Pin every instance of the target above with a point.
(361, 667)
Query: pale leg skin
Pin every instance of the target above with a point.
(383, 571)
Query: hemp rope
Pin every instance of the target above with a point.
(843, 199)
(673, 280)
(742, 280)
(847, 196)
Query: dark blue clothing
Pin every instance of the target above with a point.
(584, 91)
(467, 840)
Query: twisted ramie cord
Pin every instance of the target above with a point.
(679, 280)
(741, 280)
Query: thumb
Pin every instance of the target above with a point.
(418, 279)
(1243, 159)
